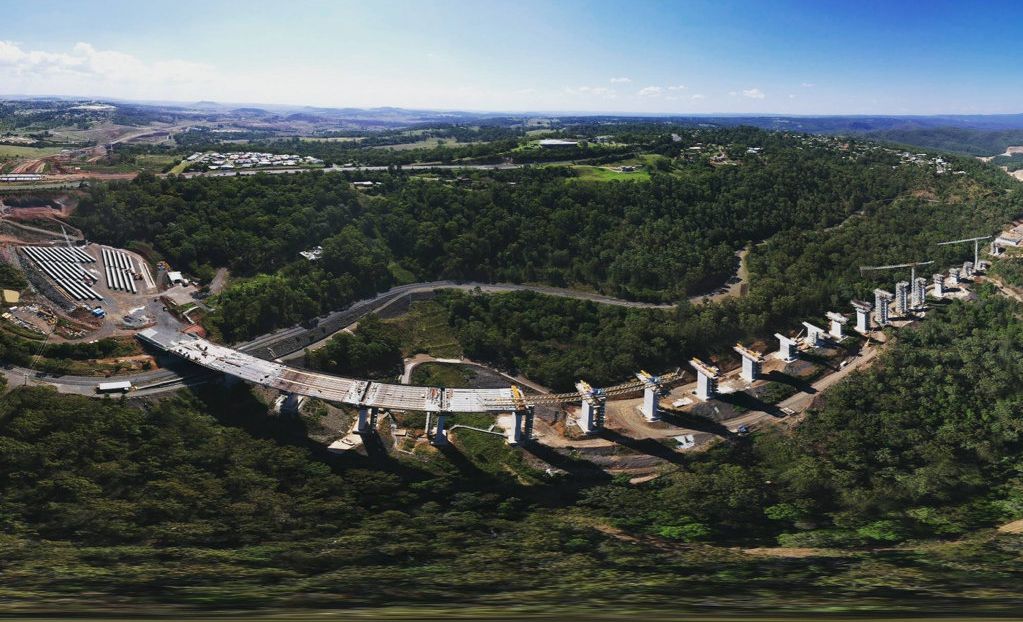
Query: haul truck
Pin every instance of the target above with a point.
(114, 387)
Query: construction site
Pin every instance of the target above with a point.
(82, 290)
(658, 415)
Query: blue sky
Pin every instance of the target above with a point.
(785, 56)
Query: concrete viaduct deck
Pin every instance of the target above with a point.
(369, 394)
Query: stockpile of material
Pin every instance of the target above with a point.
(63, 264)
(120, 270)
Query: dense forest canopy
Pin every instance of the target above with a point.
(674, 236)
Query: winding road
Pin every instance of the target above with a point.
(286, 341)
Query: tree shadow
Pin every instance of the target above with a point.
(462, 464)
(236, 406)
(579, 469)
(741, 399)
(792, 381)
(819, 359)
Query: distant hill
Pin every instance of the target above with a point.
(955, 139)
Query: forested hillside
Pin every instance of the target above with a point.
(893, 484)
(975, 142)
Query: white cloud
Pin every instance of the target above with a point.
(99, 66)
(733, 93)
(622, 80)
(753, 93)
(697, 96)
(792, 96)
(808, 85)
(657, 91)
(598, 91)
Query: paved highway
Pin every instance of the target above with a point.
(288, 340)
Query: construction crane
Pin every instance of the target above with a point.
(976, 246)
(912, 266)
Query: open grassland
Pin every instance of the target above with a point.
(600, 173)
(179, 168)
(427, 330)
(156, 162)
(21, 151)
(446, 375)
(331, 139)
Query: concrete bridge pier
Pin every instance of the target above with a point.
(706, 379)
(919, 292)
(881, 301)
(590, 412)
(522, 428)
(939, 286)
(367, 419)
(814, 335)
(862, 316)
(591, 409)
(838, 322)
(527, 423)
(786, 348)
(752, 362)
(902, 298)
(651, 411)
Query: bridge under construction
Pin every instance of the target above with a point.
(371, 396)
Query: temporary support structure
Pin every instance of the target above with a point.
(902, 298)
(814, 335)
(939, 286)
(954, 275)
(838, 322)
(968, 269)
(881, 301)
(862, 316)
(706, 379)
(786, 348)
(752, 362)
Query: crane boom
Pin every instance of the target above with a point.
(977, 239)
(912, 266)
(976, 246)
(898, 265)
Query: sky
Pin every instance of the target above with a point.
(641, 56)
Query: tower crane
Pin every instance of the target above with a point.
(912, 266)
(976, 246)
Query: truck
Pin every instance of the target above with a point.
(122, 386)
